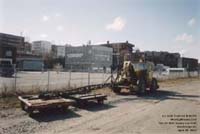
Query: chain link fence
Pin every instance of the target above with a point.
(50, 80)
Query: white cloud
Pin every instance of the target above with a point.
(43, 35)
(191, 22)
(59, 28)
(184, 38)
(45, 18)
(117, 25)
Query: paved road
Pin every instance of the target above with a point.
(128, 114)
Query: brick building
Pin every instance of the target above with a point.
(121, 51)
(10, 45)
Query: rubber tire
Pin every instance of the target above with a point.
(64, 108)
(141, 87)
(22, 106)
(116, 90)
(100, 101)
(30, 111)
(154, 85)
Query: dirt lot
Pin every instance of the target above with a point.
(176, 102)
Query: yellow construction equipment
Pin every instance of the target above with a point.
(137, 77)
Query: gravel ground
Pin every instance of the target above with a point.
(126, 113)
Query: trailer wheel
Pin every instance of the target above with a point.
(64, 108)
(154, 85)
(25, 107)
(141, 86)
(82, 103)
(22, 106)
(116, 89)
(100, 101)
(30, 111)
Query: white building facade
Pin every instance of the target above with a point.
(41, 47)
(60, 51)
(96, 58)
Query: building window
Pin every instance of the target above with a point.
(8, 53)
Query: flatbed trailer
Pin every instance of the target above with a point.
(83, 99)
(62, 99)
(32, 103)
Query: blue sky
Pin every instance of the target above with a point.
(167, 25)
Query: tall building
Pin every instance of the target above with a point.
(158, 57)
(88, 57)
(41, 47)
(121, 51)
(24, 50)
(189, 64)
(58, 51)
(10, 45)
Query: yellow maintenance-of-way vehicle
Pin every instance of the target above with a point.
(136, 77)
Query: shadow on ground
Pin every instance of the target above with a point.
(94, 107)
(163, 95)
(160, 95)
(53, 115)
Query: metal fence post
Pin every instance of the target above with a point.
(88, 76)
(15, 70)
(81, 75)
(111, 75)
(48, 80)
(103, 77)
(69, 80)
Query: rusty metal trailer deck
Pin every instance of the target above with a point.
(83, 99)
(32, 103)
(62, 99)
